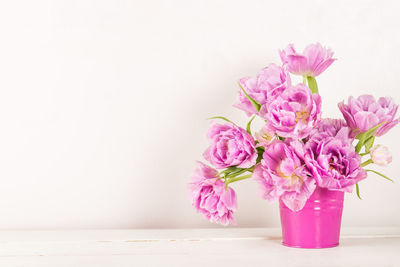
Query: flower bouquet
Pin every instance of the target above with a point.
(304, 161)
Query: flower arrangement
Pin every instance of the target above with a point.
(296, 151)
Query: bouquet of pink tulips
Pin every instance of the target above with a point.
(297, 150)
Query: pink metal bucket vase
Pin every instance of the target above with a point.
(317, 225)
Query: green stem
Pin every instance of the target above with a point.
(235, 179)
(224, 172)
(312, 84)
(236, 173)
(305, 80)
(358, 191)
(365, 163)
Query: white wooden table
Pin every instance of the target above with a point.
(198, 247)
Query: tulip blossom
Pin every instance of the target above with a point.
(327, 127)
(364, 113)
(381, 155)
(330, 126)
(294, 113)
(270, 82)
(211, 197)
(282, 173)
(274, 80)
(333, 161)
(314, 60)
(264, 137)
(230, 146)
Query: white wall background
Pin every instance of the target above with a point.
(103, 103)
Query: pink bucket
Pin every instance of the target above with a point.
(317, 225)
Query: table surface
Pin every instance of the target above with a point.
(193, 247)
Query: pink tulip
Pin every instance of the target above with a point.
(333, 160)
(294, 113)
(364, 113)
(327, 128)
(230, 145)
(211, 197)
(270, 82)
(314, 60)
(282, 173)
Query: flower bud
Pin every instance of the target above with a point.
(381, 155)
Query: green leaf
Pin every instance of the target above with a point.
(255, 104)
(373, 129)
(384, 176)
(249, 124)
(280, 138)
(358, 191)
(312, 84)
(369, 143)
(260, 149)
(369, 132)
(220, 117)
(358, 136)
(364, 136)
(359, 146)
(260, 153)
(235, 179)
